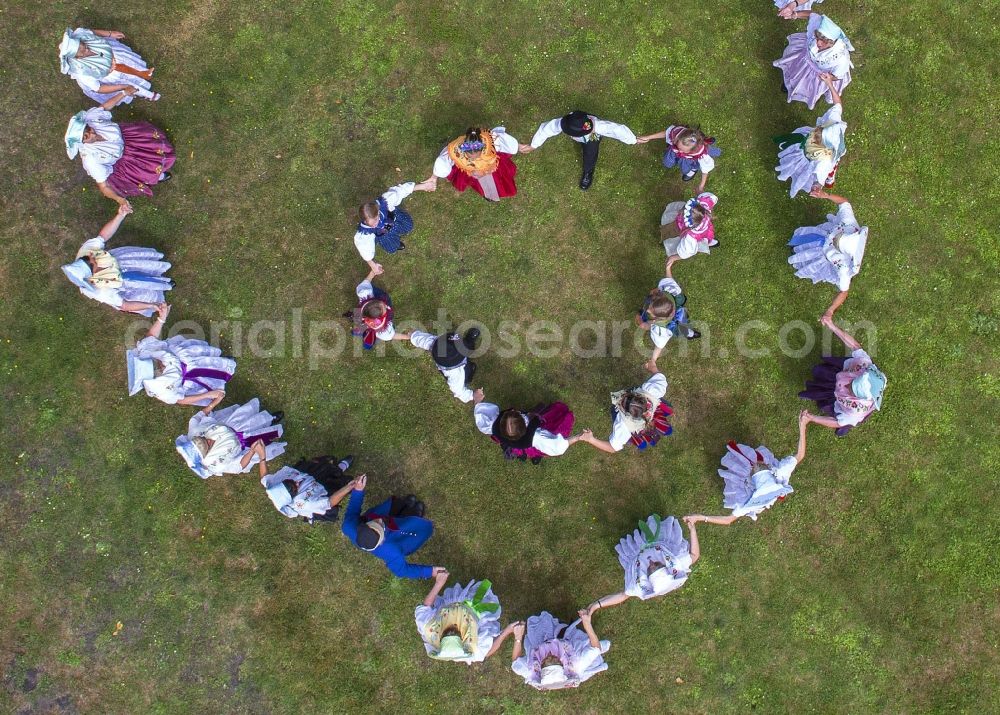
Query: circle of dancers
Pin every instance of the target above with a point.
(463, 623)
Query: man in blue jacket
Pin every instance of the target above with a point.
(392, 531)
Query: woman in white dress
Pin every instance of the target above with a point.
(831, 252)
(656, 560)
(102, 65)
(129, 279)
(179, 370)
(555, 656)
(232, 440)
(809, 156)
(822, 48)
(124, 159)
(755, 480)
(462, 623)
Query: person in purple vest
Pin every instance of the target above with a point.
(391, 531)
(179, 370)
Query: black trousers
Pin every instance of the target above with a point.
(590, 150)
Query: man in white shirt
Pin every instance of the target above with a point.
(451, 356)
(586, 130)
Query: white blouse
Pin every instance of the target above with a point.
(546, 442)
(602, 128)
(99, 157)
(504, 143)
(655, 387)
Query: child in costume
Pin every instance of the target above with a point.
(541, 432)
(125, 160)
(462, 623)
(129, 279)
(686, 227)
(847, 390)
(450, 353)
(232, 440)
(179, 370)
(809, 156)
(311, 490)
(754, 479)
(831, 252)
(372, 316)
(664, 314)
(480, 160)
(383, 222)
(390, 531)
(822, 48)
(102, 65)
(689, 149)
(639, 416)
(587, 131)
(556, 656)
(656, 560)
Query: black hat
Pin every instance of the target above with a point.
(577, 124)
(368, 538)
(447, 351)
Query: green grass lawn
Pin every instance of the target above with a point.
(873, 589)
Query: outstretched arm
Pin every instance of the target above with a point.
(800, 454)
(609, 601)
(216, 399)
(195, 399)
(518, 650)
(838, 301)
(695, 546)
(440, 579)
(110, 193)
(588, 627)
(720, 520)
(650, 137)
(846, 337)
(603, 445)
(111, 227)
(827, 79)
(163, 310)
(504, 634)
(115, 99)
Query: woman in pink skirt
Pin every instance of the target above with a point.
(823, 47)
(541, 432)
(124, 159)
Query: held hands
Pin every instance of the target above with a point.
(788, 11)
(642, 140)
(692, 519)
(163, 310)
(115, 35)
(518, 628)
(587, 435)
(478, 395)
(584, 614)
(826, 78)
(124, 208)
(440, 573)
(360, 482)
(426, 185)
(525, 148)
(805, 417)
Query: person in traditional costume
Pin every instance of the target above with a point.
(311, 490)
(664, 314)
(831, 252)
(587, 131)
(125, 160)
(179, 370)
(686, 227)
(383, 222)
(639, 416)
(450, 353)
(656, 559)
(541, 432)
(480, 160)
(789, 9)
(103, 66)
(847, 390)
(391, 531)
(462, 624)
(231, 440)
(822, 48)
(129, 279)
(754, 479)
(809, 156)
(556, 656)
(689, 149)
(372, 316)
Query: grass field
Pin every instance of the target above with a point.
(873, 589)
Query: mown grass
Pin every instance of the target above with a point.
(872, 589)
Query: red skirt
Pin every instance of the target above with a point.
(147, 154)
(503, 177)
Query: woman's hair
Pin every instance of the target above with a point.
(201, 444)
(551, 660)
(291, 486)
(692, 133)
(368, 211)
(473, 134)
(451, 630)
(661, 305)
(512, 424)
(636, 405)
(373, 309)
(698, 213)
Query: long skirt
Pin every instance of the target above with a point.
(820, 388)
(800, 73)
(143, 274)
(146, 156)
(502, 180)
(123, 55)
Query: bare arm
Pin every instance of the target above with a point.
(116, 99)
(695, 546)
(161, 319)
(588, 627)
(650, 137)
(341, 494)
(207, 409)
(609, 601)
(800, 453)
(518, 650)
(504, 634)
(846, 337)
(827, 79)
(600, 444)
(439, 581)
(258, 449)
(719, 520)
(111, 227)
(107, 191)
(838, 300)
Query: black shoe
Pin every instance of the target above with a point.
(167, 176)
(277, 417)
(409, 503)
(536, 460)
(402, 246)
(688, 177)
(586, 180)
(419, 509)
(349, 459)
(471, 338)
(470, 371)
(784, 89)
(695, 336)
